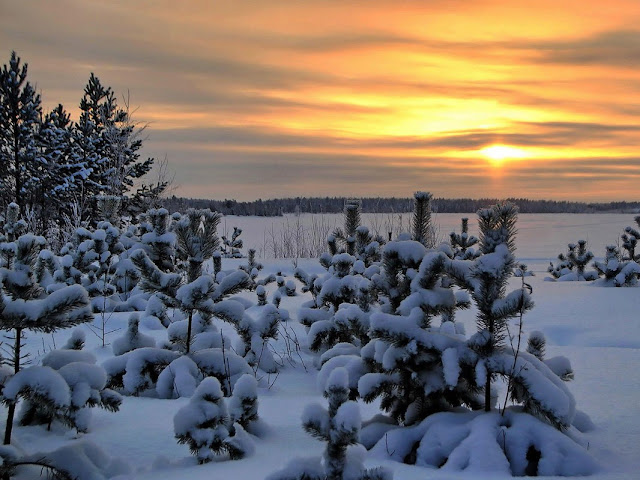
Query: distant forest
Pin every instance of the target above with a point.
(281, 206)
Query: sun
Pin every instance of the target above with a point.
(497, 154)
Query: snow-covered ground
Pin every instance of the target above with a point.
(541, 236)
(597, 328)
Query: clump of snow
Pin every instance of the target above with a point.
(42, 381)
(511, 444)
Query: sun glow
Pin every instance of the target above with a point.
(498, 154)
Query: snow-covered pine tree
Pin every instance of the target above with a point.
(421, 221)
(108, 207)
(418, 368)
(13, 226)
(562, 266)
(340, 310)
(20, 113)
(243, 404)
(252, 267)
(462, 243)
(55, 182)
(86, 386)
(486, 280)
(368, 246)
(561, 366)
(338, 426)
(616, 271)
(261, 293)
(106, 145)
(580, 258)
(159, 242)
(255, 334)
(106, 244)
(205, 426)
(400, 262)
(132, 338)
(203, 295)
(344, 240)
(45, 267)
(630, 239)
(230, 247)
(199, 301)
(196, 239)
(125, 277)
(24, 305)
(571, 266)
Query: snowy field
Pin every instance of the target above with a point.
(597, 328)
(541, 236)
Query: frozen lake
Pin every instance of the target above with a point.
(541, 237)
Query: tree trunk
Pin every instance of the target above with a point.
(12, 406)
(487, 385)
(189, 332)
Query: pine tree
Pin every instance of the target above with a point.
(204, 424)
(132, 338)
(580, 257)
(13, 226)
(159, 242)
(203, 296)
(243, 404)
(24, 305)
(20, 113)
(255, 335)
(399, 260)
(616, 271)
(425, 368)
(348, 235)
(107, 207)
(462, 243)
(486, 280)
(230, 247)
(53, 185)
(196, 239)
(338, 426)
(421, 222)
(252, 267)
(106, 145)
(85, 383)
(630, 239)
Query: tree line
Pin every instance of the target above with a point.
(53, 168)
(281, 206)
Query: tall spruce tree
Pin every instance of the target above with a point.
(20, 113)
(53, 186)
(106, 144)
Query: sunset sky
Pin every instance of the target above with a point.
(250, 99)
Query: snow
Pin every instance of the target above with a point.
(410, 252)
(594, 328)
(451, 366)
(57, 359)
(348, 416)
(45, 381)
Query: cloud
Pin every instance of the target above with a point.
(618, 48)
(263, 99)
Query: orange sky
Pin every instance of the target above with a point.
(265, 99)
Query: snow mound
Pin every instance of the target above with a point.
(515, 443)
